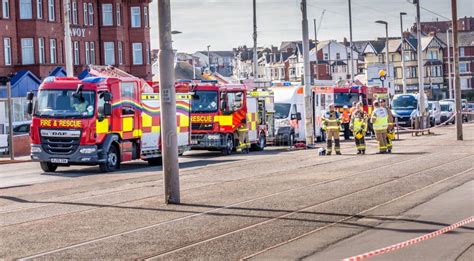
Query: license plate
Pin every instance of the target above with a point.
(61, 161)
(401, 122)
(194, 142)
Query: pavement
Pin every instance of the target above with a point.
(271, 205)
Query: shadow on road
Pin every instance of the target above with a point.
(260, 214)
(130, 168)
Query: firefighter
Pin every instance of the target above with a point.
(346, 119)
(379, 121)
(358, 127)
(390, 128)
(331, 124)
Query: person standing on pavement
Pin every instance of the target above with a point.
(391, 127)
(358, 127)
(346, 119)
(379, 121)
(331, 124)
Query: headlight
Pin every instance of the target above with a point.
(87, 150)
(284, 123)
(213, 137)
(35, 149)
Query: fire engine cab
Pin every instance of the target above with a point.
(100, 120)
(343, 96)
(228, 117)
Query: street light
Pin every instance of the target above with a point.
(386, 51)
(404, 81)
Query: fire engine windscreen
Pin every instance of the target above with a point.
(345, 99)
(204, 101)
(282, 110)
(65, 104)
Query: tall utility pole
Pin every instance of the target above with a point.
(457, 82)
(402, 48)
(421, 71)
(209, 58)
(169, 138)
(11, 150)
(67, 40)
(316, 50)
(308, 112)
(351, 44)
(255, 55)
(450, 82)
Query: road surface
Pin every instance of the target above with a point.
(273, 205)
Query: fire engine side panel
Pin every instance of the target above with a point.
(151, 121)
(183, 120)
(252, 118)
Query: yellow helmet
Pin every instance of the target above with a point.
(391, 135)
(359, 135)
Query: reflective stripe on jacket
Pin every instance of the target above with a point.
(358, 121)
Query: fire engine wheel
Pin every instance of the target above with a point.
(229, 145)
(155, 161)
(48, 167)
(113, 160)
(260, 145)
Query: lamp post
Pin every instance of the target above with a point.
(404, 80)
(350, 39)
(387, 62)
(450, 82)
(209, 57)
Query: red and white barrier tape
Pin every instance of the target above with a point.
(427, 129)
(410, 242)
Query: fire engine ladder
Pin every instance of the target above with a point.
(108, 71)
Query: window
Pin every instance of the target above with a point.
(74, 12)
(52, 51)
(127, 90)
(92, 49)
(39, 9)
(7, 49)
(91, 14)
(349, 55)
(5, 9)
(41, 50)
(461, 52)
(109, 53)
(86, 45)
(393, 57)
(25, 9)
(148, 53)
(137, 53)
(119, 14)
(107, 17)
(136, 19)
(433, 55)
(76, 53)
(463, 68)
(338, 56)
(51, 10)
(120, 52)
(145, 16)
(326, 56)
(85, 14)
(234, 100)
(27, 51)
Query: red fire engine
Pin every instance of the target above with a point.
(102, 120)
(343, 96)
(228, 117)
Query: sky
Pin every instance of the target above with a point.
(226, 24)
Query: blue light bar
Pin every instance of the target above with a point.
(93, 79)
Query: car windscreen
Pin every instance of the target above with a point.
(445, 107)
(404, 102)
(204, 101)
(345, 99)
(282, 110)
(65, 104)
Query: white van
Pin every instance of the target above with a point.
(289, 112)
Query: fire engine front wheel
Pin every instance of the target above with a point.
(48, 167)
(113, 160)
(229, 145)
(260, 145)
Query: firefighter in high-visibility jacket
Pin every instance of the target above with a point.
(358, 127)
(332, 124)
(379, 121)
(391, 126)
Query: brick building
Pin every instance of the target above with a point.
(111, 32)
